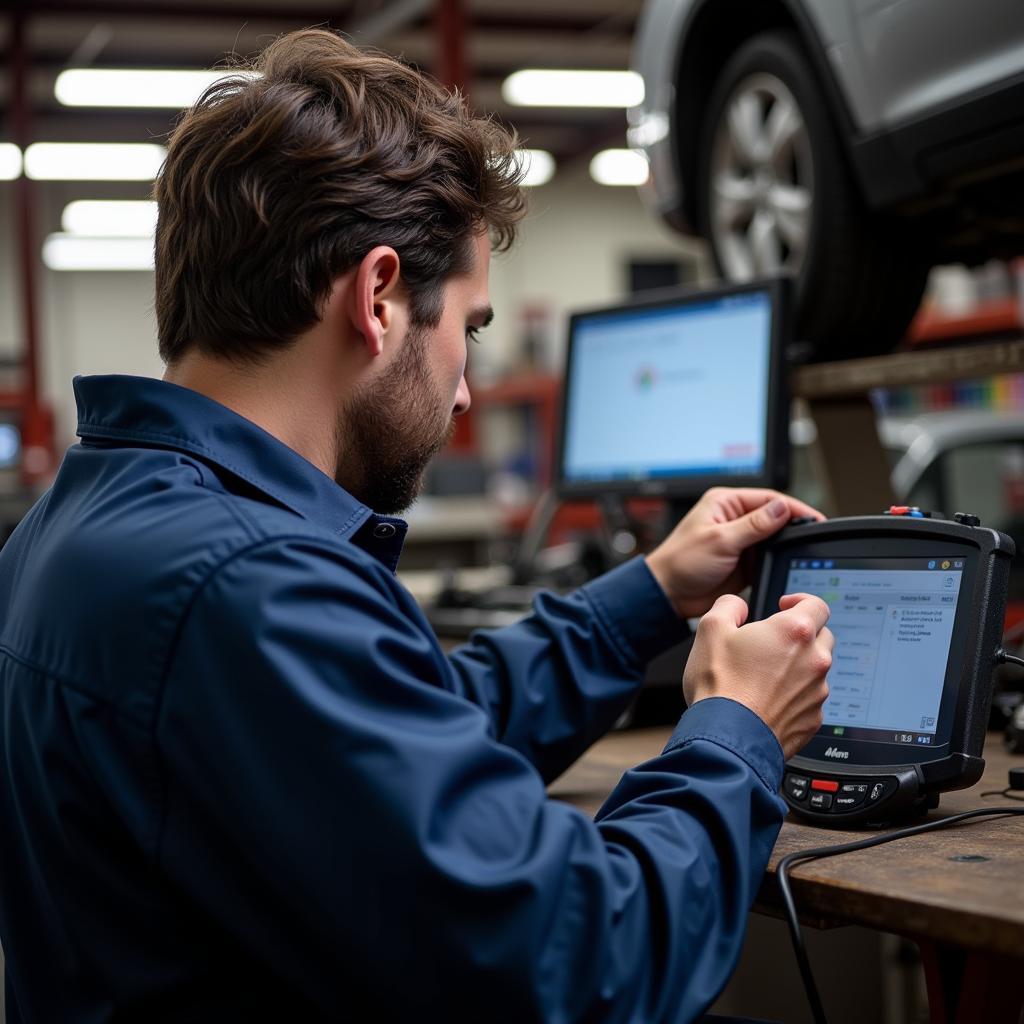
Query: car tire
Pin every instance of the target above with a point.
(859, 275)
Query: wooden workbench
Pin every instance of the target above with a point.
(958, 894)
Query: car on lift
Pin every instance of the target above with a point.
(852, 143)
(951, 460)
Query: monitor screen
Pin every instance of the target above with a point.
(674, 396)
(893, 620)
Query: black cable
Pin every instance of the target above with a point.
(1003, 657)
(784, 865)
(813, 997)
(1008, 793)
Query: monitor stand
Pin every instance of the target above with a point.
(535, 534)
(619, 533)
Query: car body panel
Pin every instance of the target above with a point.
(650, 127)
(661, 31)
(889, 68)
(920, 55)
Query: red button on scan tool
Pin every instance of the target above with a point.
(824, 784)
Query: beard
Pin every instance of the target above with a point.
(390, 430)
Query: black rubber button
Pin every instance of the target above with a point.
(796, 787)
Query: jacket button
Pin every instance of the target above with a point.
(384, 530)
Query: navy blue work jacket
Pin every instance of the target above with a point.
(242, 782)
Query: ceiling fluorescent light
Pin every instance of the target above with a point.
(100, 87)
(538, 166)
(539, 88)
(619, 167)
(74, 252)
(120, 218)
(93, 161)
(10, 161)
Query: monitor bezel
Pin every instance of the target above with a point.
(957, 676)
(987, 554)
(776, 461)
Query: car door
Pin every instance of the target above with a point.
(921, 55)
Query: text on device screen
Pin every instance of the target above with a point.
(671, 391)
(892, 619)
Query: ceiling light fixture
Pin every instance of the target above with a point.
(538, 166)
(10, 161)
(136, 87)
(75, 252)
(619, 167)
(105, 218)
(534, 87)
(93, 161)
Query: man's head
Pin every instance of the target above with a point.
(401, 412)
(333, 163)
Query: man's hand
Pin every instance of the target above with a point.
(700, 559)
(775, 667)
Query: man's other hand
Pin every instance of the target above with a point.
(701, 558)
(775, 667)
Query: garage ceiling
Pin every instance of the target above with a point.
(501, 36)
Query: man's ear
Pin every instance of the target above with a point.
(373, 296)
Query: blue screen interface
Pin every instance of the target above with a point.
(893, 622)
(669, 392)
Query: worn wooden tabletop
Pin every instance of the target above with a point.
(919, 887)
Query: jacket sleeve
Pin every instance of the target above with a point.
(557, 681)
(356, 827)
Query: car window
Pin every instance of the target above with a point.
(986, 478)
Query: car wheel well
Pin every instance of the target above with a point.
(716, 31)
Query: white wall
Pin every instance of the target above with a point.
(94, 322)
(573, 251)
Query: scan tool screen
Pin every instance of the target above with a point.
(892, 619)
(669, 392)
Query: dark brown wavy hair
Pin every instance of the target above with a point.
(274, 185)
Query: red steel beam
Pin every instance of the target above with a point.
(451, 26)
(36, 425)
(192, 11)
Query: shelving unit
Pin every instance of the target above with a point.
(538, 392)
(998, 316)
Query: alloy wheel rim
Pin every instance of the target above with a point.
(761, 182)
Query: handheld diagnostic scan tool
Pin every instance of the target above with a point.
(917, 614)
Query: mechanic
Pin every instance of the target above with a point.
(242, 781)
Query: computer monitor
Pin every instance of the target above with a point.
(670, 396)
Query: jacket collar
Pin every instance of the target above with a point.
(145, 411)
